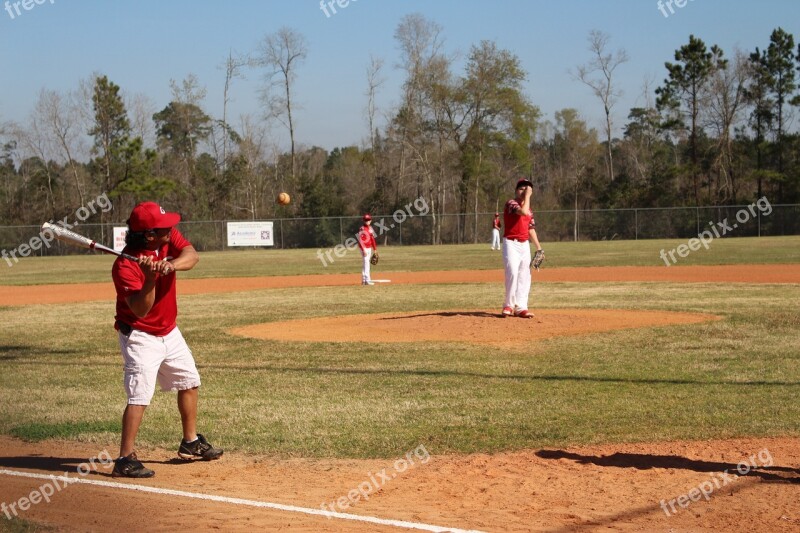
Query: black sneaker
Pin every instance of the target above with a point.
(199, 449)
(130, 466)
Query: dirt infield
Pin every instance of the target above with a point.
(480, 327)
(602, 488)
(673, 486)
(52, 294)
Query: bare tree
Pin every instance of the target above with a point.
(142, 108)
(420, 45)
(373, 82)
(646, 94)
(84, 104)
(233, 69)
(576, 147)
(724, 104)
(185, 112)
(251, 154)
(604, 63)
(188, 91)
(36, 141)
(59, 120)
(280, 53)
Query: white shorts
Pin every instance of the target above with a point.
(149, 358)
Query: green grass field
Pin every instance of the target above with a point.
(18, 525)
(60, 368)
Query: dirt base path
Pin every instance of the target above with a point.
(625, 487)
(51, 294)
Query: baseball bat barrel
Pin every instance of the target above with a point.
(75, 239)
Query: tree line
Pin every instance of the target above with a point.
(716, 131)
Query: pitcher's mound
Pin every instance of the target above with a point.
(486, 327)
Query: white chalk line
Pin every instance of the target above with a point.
(240, 501)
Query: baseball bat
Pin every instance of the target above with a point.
(70, 237)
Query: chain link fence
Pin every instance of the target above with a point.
(552, 226)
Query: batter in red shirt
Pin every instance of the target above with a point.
(153, 349)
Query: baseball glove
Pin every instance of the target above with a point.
(538, 259)
(374, 259)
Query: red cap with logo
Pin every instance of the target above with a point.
(149, 215)
(367, 217)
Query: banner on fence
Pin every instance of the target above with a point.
(250, 234)
(120, 232)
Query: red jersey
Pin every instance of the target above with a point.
(496, 223)
(129, 279)
(517, 226)
(366, 238)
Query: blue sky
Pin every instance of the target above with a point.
(142, 44)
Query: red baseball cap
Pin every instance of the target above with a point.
(367, 217)
(524, 181)
(149, 215)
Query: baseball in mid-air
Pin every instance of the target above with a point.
(284, 198)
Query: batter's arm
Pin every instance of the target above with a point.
(187, 259)
(141, 302)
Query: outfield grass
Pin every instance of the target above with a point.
(248, 263)
(18, 525)
(731, 378)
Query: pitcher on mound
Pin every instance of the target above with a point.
(519, 229)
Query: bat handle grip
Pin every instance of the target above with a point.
(133, 258)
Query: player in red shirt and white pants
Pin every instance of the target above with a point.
(153, 349)
(368, 245)
(496, 232)
(519, 229)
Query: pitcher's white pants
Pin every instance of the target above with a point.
(495, 239)
(517, 261)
